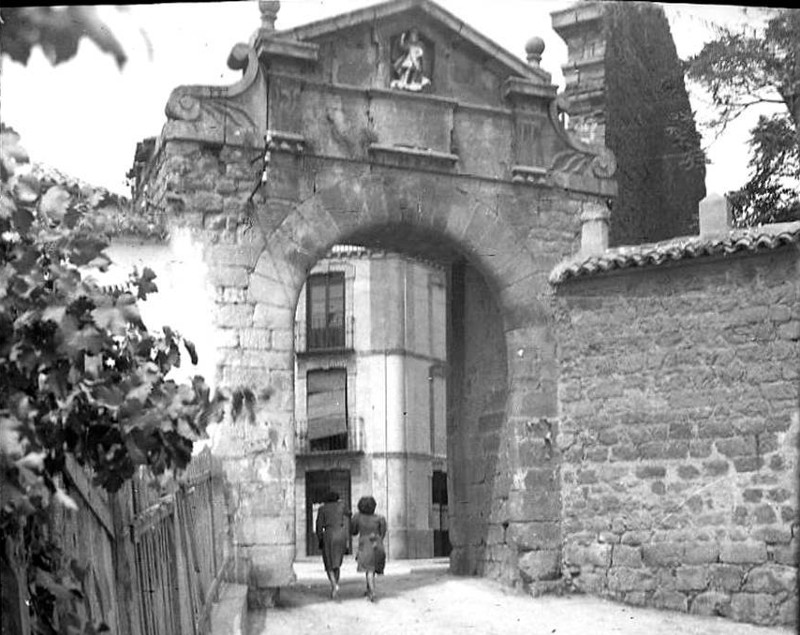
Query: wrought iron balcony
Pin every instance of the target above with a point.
(351, 441)
(320, 337)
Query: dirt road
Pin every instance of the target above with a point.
(420, 597)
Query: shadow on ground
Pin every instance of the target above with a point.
(389, 586)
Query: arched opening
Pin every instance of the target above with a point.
(503, 504)
(400, 392)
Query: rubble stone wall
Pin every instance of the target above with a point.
(680, 417)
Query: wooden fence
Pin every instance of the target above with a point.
(153, 555)
(180, 551)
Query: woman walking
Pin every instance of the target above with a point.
(371, 530)
(331, 529)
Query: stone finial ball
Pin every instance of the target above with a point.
(269, 6)
(534, 48)
(269, 12)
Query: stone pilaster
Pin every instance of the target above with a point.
(581, 27)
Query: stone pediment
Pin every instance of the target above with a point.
(412, 45)
(403, 84)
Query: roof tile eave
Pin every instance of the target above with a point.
(749, 240)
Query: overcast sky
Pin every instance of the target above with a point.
(84, 117)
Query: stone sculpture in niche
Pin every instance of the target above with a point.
(408, 66)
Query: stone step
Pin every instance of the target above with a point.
(228, 615)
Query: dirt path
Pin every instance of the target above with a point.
(422, 600)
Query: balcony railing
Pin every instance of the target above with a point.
(321, 337)
(351, 441)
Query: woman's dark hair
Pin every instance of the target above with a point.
(330, 497)
(367, 505)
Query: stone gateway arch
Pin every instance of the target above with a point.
(401, 128)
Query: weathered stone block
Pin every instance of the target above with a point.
(716, 467)
(688, 472)
(272, 565)
(701, 553)
(636, 598)
(267, 291)
(736, 446)
(726, 577)
(672, 600)
(264, 530)
(764, 514)
(758, 608)
(533, 506)
(630, 579)
(663, 554)
(773, 535)
(787, 612)
(254, 338)
(233, 315)
(699, 449)
(268, 497)
(748, 463)
(691, 578)
(534, 535)
(540, 565)
(626, 556)
(595, 554)
(282, 339)
(711, 603)
(593, 582)
(771, 578)
(743, 552)
(650, 450)
(623, 452)
(651, 471)
(787, 554)
(206, 202)
(752, 495)
(222, 276)
(635, 538)
(235, 255)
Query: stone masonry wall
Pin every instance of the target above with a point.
(269, 173)
(258, 255)
(679, 436)
(478, 370)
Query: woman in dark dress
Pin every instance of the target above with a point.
(371, 530)
(331, 529)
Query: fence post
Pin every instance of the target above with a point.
(125, 560)
(13, 589)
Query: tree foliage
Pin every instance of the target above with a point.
(80, 375)
(57, 30)
(742, 70)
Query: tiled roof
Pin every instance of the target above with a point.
(753, 239)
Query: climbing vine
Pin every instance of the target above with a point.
(80, 374)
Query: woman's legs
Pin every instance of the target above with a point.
(335, 583)
(371, 585)
(332, 580)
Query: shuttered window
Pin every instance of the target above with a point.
(326, 403)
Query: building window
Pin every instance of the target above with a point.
(441, 533)
(326, 404)
(325, 311)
